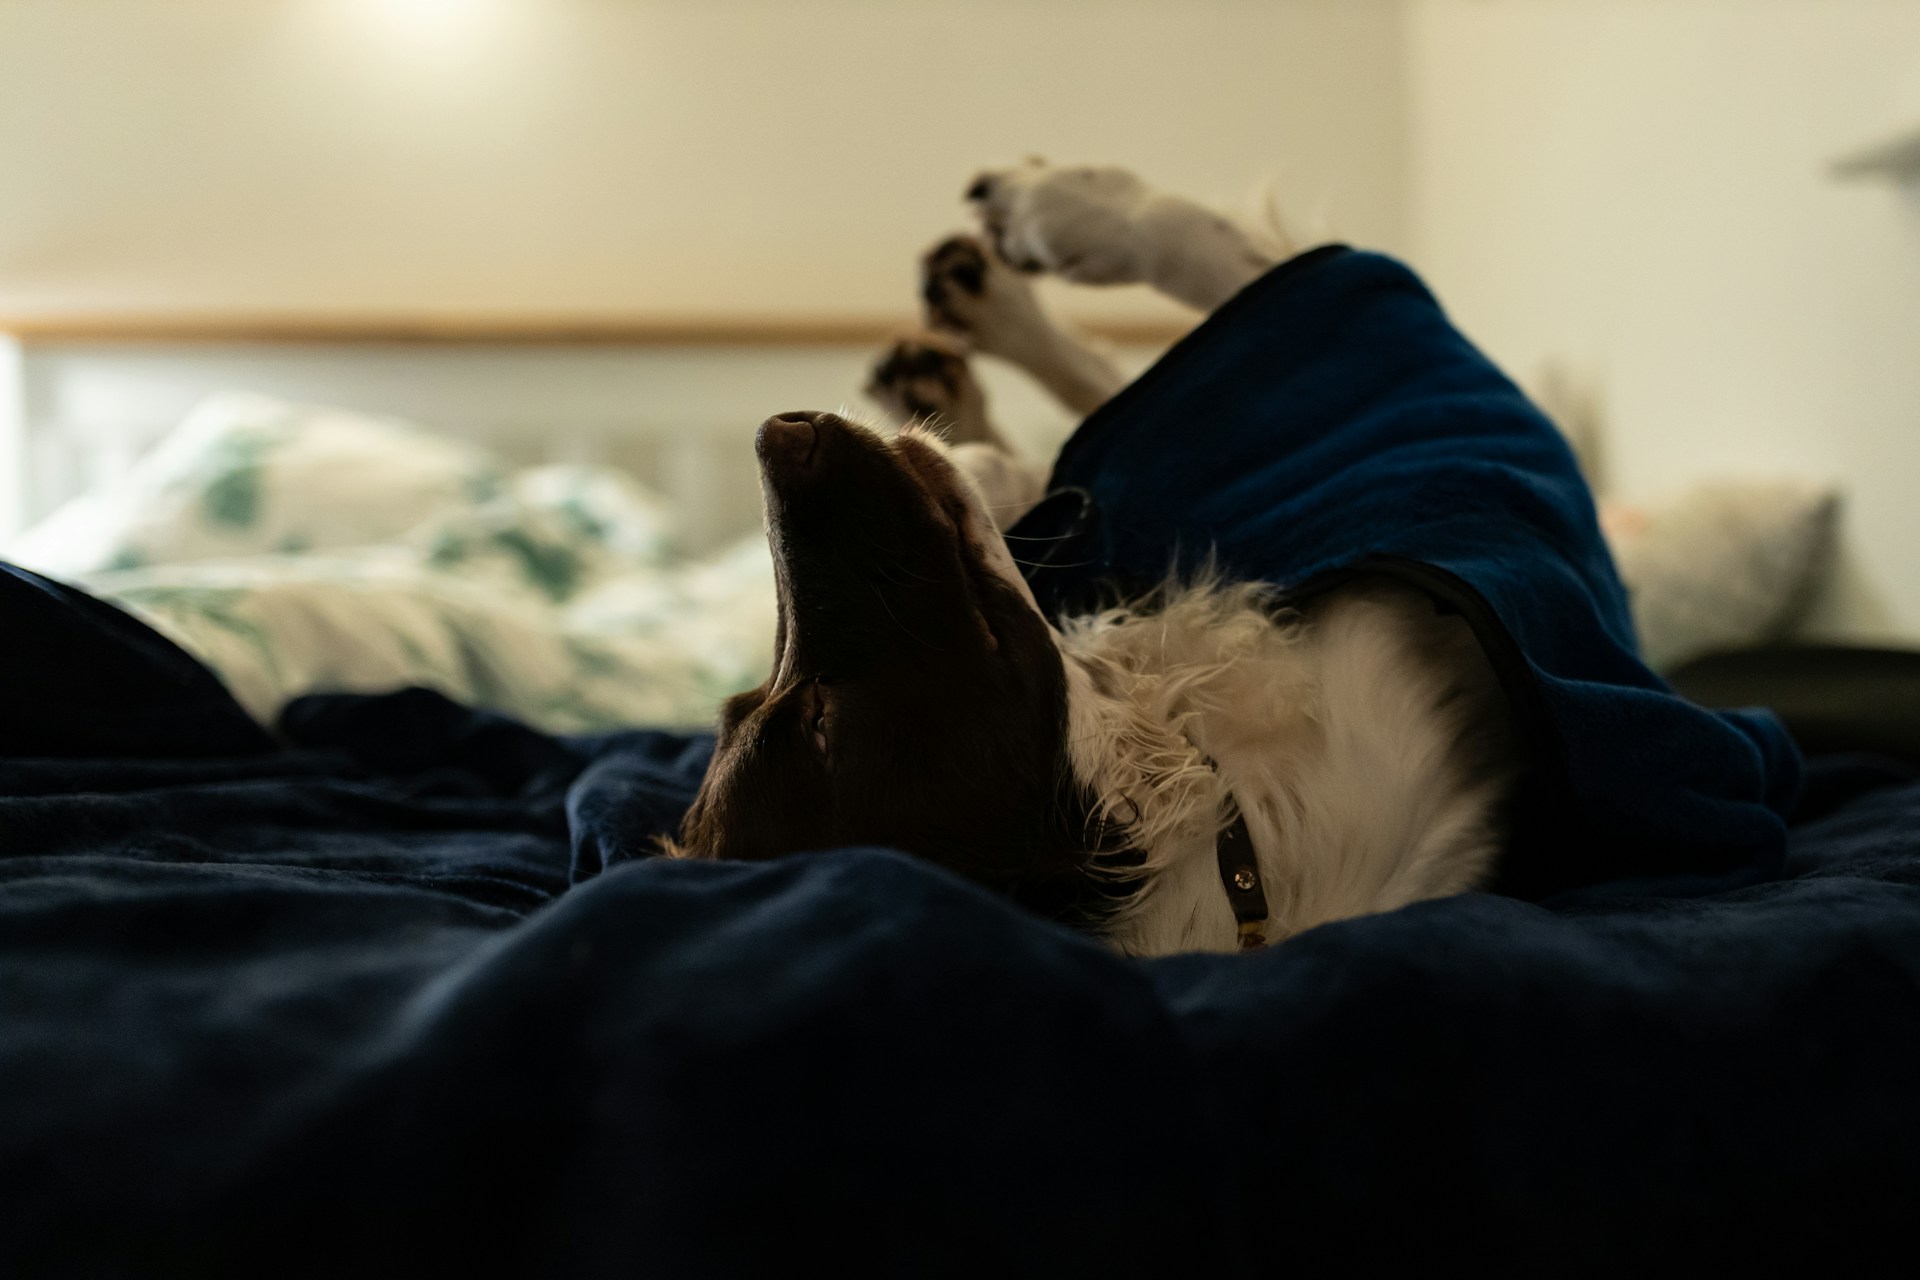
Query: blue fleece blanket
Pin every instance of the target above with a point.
(1329, 420)
(405, 995)
(398, 989)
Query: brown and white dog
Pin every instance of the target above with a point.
(1094, 768)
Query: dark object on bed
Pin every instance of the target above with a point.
(1832, 698)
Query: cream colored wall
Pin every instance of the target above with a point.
(1640, 188)
(1637, 188)
(634, 155)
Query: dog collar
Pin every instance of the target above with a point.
(1240, 874)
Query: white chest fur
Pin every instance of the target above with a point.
(1363, 741)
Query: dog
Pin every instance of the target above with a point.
(1205, 769)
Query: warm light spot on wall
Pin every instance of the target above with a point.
(424, 15)
(427, 25)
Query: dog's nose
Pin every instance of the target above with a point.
(790, 441)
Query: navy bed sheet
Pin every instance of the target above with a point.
(404, 992)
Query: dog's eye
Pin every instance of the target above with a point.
(815, 716)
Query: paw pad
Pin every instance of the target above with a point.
(959, 262)
(922, 376)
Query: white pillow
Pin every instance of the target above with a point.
(247, 474)
(1724, 566)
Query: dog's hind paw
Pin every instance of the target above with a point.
(1096, 224)
(925, 378)
(1079, 222)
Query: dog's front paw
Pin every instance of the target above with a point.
(925, 378)
(970, 292)
(1080, 222)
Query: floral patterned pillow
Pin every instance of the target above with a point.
(248, 475)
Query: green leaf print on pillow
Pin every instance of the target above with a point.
(549, 567)
(232, 472)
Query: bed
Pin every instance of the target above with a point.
(400, 985)
(410, 993)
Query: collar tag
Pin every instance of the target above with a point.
(1240, 875)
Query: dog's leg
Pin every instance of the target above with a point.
(1100, 225)
(970, 292)
(925, 380)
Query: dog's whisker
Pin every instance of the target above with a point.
(880, 566)
(1042, 564)
(896, 617)
(918, 577)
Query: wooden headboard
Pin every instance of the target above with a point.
(505, 329)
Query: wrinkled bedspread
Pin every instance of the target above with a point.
(404, 993)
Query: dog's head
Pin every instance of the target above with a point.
(918, 698)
